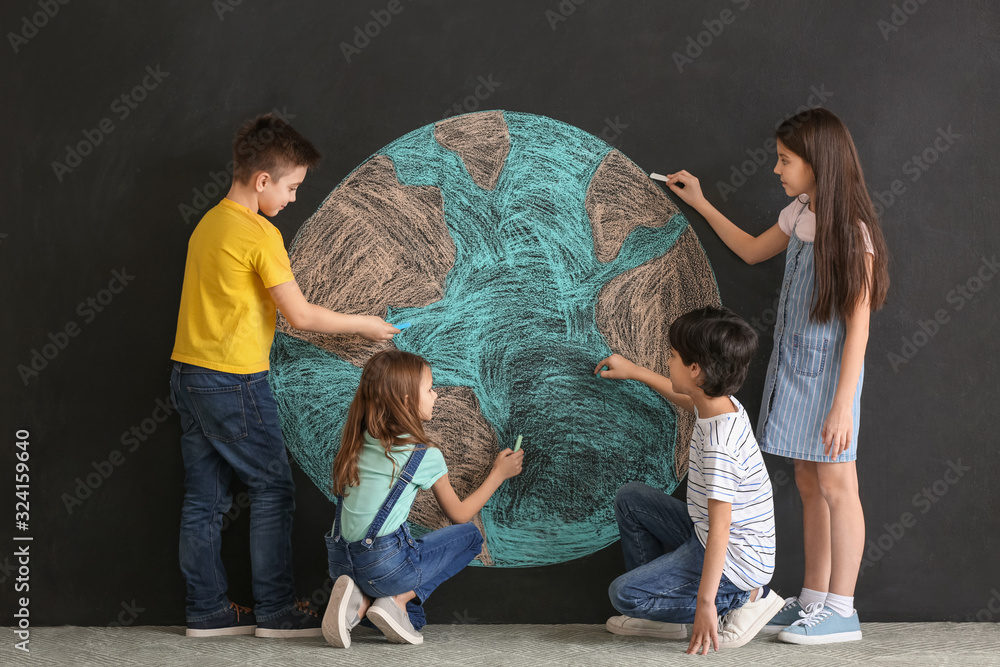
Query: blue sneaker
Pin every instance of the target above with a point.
(822, 625)
(238, 621)
(301, 621)
(791, 612)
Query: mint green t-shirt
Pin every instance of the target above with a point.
(363, 502)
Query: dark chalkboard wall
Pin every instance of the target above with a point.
(92, 250)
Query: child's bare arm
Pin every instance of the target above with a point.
(507, 465)
(306, 316)
(704, 633)
(751, 249)
(620, 368)
(838, 426)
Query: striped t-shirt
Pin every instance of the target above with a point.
(727, 465)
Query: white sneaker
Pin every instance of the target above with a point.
(637, 627)
(741, 625)
(393, 622)
(342, 612)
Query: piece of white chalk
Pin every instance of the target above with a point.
(659, 177)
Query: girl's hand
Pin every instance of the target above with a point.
(508, 463)
(705, 632)
(837, 431)
(691, 192)
(619, 368)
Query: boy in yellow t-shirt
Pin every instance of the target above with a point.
(236, 277)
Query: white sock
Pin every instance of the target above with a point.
(808, 596)
(840, 604)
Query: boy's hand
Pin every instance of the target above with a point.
(508, 463)
(691, 193)
(375, 328)
(619, 368)
(705, 632)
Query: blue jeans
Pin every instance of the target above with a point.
(230, 424)
(663, 560)
(399, 563)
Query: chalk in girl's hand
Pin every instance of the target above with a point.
(404, 325)
(517, 444)
(666, 180)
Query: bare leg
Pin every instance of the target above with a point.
(366, 602)
(403, 598)
(815, 527)
(839, 485)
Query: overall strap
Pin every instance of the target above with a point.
(405, 477)
(336, 520)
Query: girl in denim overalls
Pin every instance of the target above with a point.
(381, 571)
(835, 276)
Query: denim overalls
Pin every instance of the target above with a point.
(804, 369)
(398, 563)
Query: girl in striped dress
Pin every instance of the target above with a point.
(836, 275)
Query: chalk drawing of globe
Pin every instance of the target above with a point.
(523, 250)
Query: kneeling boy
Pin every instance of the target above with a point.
(712, 558)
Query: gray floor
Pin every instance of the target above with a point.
(903, 644)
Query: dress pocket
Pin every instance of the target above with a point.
(809, 355)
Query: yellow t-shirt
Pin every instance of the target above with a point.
(227, 316)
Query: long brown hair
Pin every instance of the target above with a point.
(842, 200)
(387, 406)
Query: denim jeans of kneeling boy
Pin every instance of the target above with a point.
(230, 425)
(663, 560)
(398, 563)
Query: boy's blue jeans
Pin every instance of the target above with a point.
(399, 563)
(230, 424)
(663, 560)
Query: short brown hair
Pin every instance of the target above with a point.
(267, 143)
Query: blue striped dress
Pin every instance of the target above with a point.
(804, 369)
